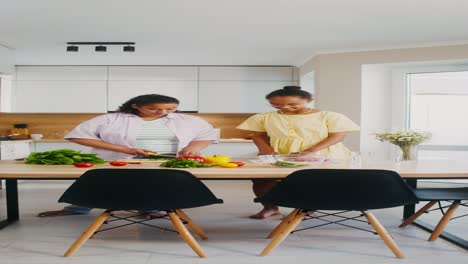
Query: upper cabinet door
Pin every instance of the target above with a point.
(60, 97)
(61, 73)
(126, 82)
(237, 96)
(227, 73)
(60, 89)
(185, 91)
(241, 89)
(153, 73)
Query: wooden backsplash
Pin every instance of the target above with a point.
(55, 126)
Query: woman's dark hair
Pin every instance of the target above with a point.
(290, 91)
(145, 100)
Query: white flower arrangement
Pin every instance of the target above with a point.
(404, 139)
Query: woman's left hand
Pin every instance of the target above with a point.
(189, 152)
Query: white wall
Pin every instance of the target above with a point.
(6, 61)
(5, 93)
(376, 114)
(338, 76)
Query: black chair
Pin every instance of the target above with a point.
(140, 190)
(337, 189)
(436, 195)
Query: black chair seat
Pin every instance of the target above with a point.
(441, 194)
(434, 196)
(337, 189)
(140, 190)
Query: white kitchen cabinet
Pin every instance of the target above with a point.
(60, 89)
(61, 73)
(126, 82)
(15, 149)
(234, 150)
(185, 91)
(40, 146)
(237, 96)
(241, 89)
(60, 97)
(153, 73)
(220, 73)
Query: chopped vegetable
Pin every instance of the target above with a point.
(118, 163)
(239, 163)
(197, 158)
(83, 165)
(184, 163)
(229, 165)
(62, 156)
(217, 159)
(287, 164)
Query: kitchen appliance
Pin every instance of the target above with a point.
(9, 137)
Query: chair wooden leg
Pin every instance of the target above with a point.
(285, 221)
(444, 221)
(195, 228)
(185, 234)
(384, 234)
(413, 217)
(88, 233)
(283, 233)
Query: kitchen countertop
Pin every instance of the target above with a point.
(17, 141)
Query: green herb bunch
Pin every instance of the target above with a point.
(185, 163)
(62, 156)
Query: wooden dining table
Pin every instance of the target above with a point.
(12, 171)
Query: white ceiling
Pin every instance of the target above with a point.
(229, 32)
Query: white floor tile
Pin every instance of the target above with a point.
(233, 237)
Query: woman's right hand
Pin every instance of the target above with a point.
(266, 152)
(136, 151)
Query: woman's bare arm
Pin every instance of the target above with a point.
(262, 141)
(94, 143)
(332, 139)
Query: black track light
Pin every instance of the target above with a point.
(72, 48)
(100, 48)
(129, 49)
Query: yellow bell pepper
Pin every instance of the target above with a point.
(217, 159)
(229, 165)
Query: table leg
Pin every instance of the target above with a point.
(410, 209)
(11, 189)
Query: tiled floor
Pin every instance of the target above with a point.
(233, 238)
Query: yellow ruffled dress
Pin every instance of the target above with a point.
(295, 133)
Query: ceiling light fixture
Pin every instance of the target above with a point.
(129, 49)
(72, 48)
(101, 46)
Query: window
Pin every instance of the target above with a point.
(438, 102)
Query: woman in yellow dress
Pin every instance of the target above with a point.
(295, 128)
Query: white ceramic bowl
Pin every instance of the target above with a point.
(36, 136)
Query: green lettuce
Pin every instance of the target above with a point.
(62, 156)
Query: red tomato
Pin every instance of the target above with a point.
(197, 158)
(83, 164)
(239, 163)
(118, 163)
